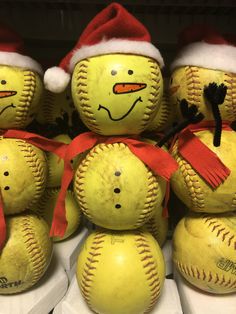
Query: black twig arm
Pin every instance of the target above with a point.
(215, 94)
(191, 116)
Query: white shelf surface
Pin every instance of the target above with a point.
(67, 251)
(73, 302)
(195, 301)
(70, 273)
(42, 297)
(167, 252)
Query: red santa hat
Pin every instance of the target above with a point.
(12, 51)
(113, 30)
(202, 46)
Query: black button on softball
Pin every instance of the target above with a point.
(117, 190)
(117, 206)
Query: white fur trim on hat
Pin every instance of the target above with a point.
(56, 79)
(19, 60)
(142, 48)
(210, 56)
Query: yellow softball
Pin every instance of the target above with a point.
(47, 203)
(164, 116)
(117, 93)
(115, 189)
(26, 254)
(54, 106)
(55, 164)
(189, 81)
(193, 191)
(157, 225)
(120, 272)
(20, 94)
(204, 251)
(23, 174)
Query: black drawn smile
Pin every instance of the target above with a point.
(13, 106)
(125, 115)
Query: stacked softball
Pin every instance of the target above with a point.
(117, 88)
(46, 204)
(25, 246)
(204, 75)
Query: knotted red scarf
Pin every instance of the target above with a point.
(206, 163)
(159, 161)
(39, 141)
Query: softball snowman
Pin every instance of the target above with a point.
(47, 202)
(24, 238)
(117, 88)
(204, 74)
(23, 166)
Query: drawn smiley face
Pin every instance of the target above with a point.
(20, 92)
(117, 93)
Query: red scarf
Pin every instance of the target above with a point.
(39, 141)
(159, 161)
(206, 163)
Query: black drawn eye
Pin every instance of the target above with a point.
(113, 72)
(171, 80)
(130, 72)
(3, 82)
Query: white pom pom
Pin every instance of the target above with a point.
(56, 79)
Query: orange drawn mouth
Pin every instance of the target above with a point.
(124, 88)
(174, 89)
(7, 93)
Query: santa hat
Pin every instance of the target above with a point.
(202, 46)
(113, 30)
(12, 51)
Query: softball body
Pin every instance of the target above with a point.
(23, 174)
(120, 272)
(26, 254)
(193, 191)
(115, 190)
(45, 208)
(204, 251)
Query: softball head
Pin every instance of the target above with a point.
(56, 106)
(115, 189)
(26, 254)
(20, 94)
(204, 251)
(45, 208)
(23, 174)
(113, 264)
(117, 93)
(191, 188)
(164, 117)
(188, 82)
